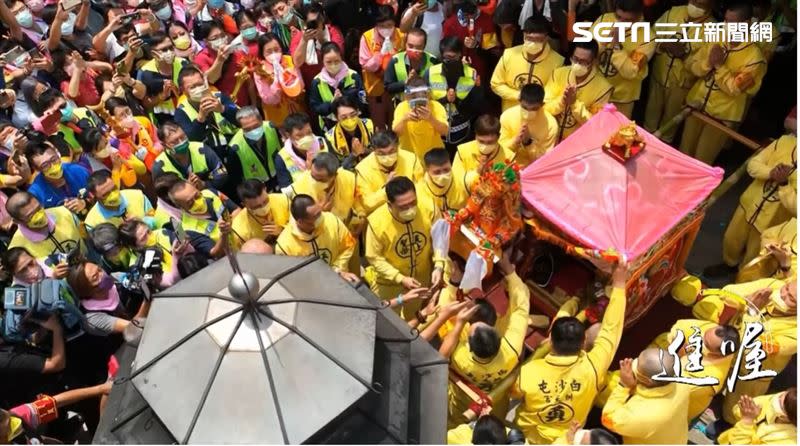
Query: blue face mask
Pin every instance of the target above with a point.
(216, 4)
(67, 112)
(431, 3)
(25, 18)
(254, 134)
(164, 13)
(68, 27)
(250, 33)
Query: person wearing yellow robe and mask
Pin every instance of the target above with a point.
(420, 122)
(312, 232)
(671, 80)
(399, 248)
(114, 205)
(533, 62)
(384, 163)
(770, 199)
(576, 92)
(351, 135)
(206, 216)
(767, 419)
(440, 191)
(623, 61)
(484, 150)
(264, 215)
(528, 129)
(728, 75)
(48, 235)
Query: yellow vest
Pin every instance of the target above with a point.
(294, 169)
(372, 178)
(763, 201)
(765, 428)
(723, 93)
(201, 225)
(247, 227)
(373, 81)
(624, 69)
(514, 71)
(590, 98)
(543, 131)
(135, 209)
(396, 249)
(65, 236)
(331, 241)
(434, 200)
(344, 193)
(672, 72)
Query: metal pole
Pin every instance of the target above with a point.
(677, 119)
(727, 130)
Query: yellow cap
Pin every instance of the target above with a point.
(686, 290)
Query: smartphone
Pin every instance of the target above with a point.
(417, 102)
(179, 231)
(119, 68)
(16, 56)
(127, 19)
(226, 215)
(312, 24)
(69, 5)
(73, 257)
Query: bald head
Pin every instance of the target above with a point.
(650, 363)
(256, 246)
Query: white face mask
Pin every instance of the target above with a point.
(579, 70)
(275, 58)
(695, 12)
(580, 435)
(386, 32)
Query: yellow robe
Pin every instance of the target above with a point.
(331, 241)
(592, 94)
(763, 204)
(343, 196)
(468, 158)
(514, 71)
(246, 226)
(434, 200)
(543, 131)
(624, 68)
(782, 234)
(765, 429)
(419, 137)
(372, 177)
(650, 416)
(556, 390)
(488, 374)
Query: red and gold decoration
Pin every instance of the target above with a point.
(625, 144)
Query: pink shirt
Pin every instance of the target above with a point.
(88, 94)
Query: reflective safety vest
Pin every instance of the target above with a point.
(439, 84)
(197, 161)
(373, 82)
(294, 169)
(252, 166)
(203, 226)
(69, 134)
(400, 65)
(134, 207)
(224, 128)
(326, 94)
(168, 106)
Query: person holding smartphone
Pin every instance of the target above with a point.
(306, 46)
(420, 122)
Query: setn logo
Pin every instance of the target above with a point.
(604, 31)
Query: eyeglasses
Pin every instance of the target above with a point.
(50, 162)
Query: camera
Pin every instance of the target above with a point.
(26, 306)
(146, 272)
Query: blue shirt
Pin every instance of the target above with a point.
(50, 196)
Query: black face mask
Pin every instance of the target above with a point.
(452, 70)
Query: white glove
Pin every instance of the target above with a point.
(141, 152)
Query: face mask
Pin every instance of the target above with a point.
(250, 33)
(777, 303)
(286, 18)
(387, 161)
(24, 18)
(350, 123)
(102, 153)
(55, 171)
(113, 199)
(255, 134)
(304, 143)
(321, 187)
(35, 5)
(777, 407)
(407, 215)
(334, 69)
(9, 142)
(264, 22)
(199, 207)
(181, 148)
(167, 56)
(164, 13)
(414, 54)
(261, 212)
(216, 4)
(386, 32)
(529, 115)
(182, 42)
(68, 26)
(275, 58)
(196, 94)
(129, 122)
(533, 47)
(442, 180)
(579, 70)
(105, 283)
(67, 111)
(38, 220)
(431, 3)
(694, 11)
(487, 149)
(217, 44)
(247, 4)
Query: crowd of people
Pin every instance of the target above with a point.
(142, 140)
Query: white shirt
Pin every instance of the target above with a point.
(432, 25)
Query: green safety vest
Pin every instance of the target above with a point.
(197, 160)
(251, 164)
(400, 65)
(326, 94)
(439, 84)
(69, 134)
(225, 127)
(201, 225)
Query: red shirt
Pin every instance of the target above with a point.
(88, 94)
(310, 71)
(483, 26)
(205, 58)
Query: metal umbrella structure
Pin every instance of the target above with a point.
(275, 349)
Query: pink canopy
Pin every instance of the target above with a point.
(602, 203)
